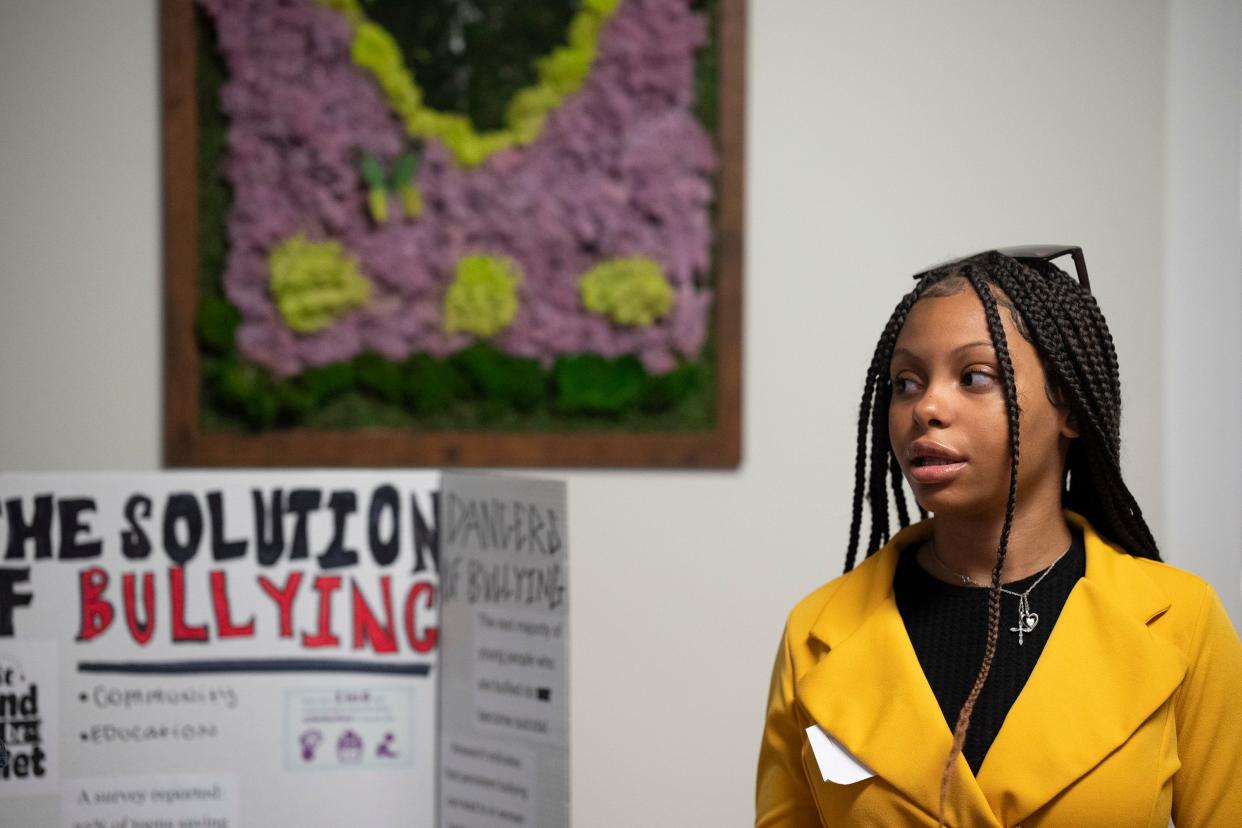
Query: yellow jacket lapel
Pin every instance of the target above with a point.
(869, 692)
(1101, 675)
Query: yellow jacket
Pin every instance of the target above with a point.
(1132, 715)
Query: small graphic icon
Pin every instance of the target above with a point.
(384, 749)
(349, 748)
(309, 741)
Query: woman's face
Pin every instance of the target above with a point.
(947, 420)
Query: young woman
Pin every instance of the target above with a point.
(1022, 657)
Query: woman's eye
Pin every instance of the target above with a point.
(901, 384)
(978, 379)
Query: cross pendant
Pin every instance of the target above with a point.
(1026, 624)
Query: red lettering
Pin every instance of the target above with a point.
(181, 631)
(325, 585)
(220, 603)
(426, 641)
(367, 628)
(283, 596)
(97, 612)
(141, 632)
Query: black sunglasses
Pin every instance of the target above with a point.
(1031, 253)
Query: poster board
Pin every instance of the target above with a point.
(504, 671)
(170, 654)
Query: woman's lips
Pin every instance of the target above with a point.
(936, 472)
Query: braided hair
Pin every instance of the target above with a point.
(1061, 319)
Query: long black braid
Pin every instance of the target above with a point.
(877, 386)
(1001, 345)
(1062, 320)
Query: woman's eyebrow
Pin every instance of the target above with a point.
(976, 344)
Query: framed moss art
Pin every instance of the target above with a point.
(453, 232)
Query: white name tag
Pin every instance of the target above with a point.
(835, 762)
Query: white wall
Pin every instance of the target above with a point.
(80, 326)
(882, 136)
(1203, 294)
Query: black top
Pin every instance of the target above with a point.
(948, 626)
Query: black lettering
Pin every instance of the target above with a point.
(554, 537)
(384, 550)
(269, 536)
(492, 516)
(221, 548)
(10, 599)
(38, 529)
(182, 506)
(535, 522)
(302, 502)
(342, 504)
(519, 526)
(426, 534)
(135, 543)
(72, 527)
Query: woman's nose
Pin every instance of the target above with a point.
(931, 409)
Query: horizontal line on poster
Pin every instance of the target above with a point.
(254, 665)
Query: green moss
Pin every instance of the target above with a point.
(513, 381)
(557, 74)
(482, 298)
(430, 385)
(707, 70)
(217, 324)
(326, 381)
(314, 283)
(381, 377)
(630, 291)
(592, 383)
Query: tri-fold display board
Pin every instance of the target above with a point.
(212, 649)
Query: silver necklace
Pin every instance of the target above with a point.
(1026, 619)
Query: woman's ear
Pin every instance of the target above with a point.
(1069, 422)
(1069, 425)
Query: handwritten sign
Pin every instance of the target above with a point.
(263, 643)
(504, 748)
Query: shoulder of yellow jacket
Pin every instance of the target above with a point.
(805, 612)
(1188, 596)
(1177, 582)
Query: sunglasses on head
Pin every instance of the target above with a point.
(1031, 253)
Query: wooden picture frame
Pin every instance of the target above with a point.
(187, 443)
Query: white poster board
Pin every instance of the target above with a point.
(504, 683)
(172, 653)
